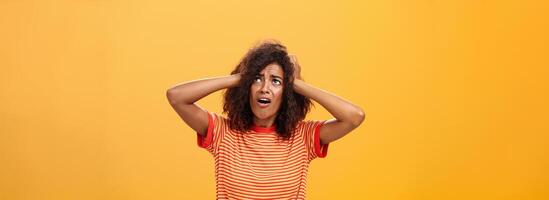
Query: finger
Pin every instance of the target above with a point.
(294, 59)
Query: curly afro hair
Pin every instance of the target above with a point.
(293, 108)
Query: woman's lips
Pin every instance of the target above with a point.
(263, 102)
(263, 105)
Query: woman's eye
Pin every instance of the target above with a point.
(257, 79)
(277, 82)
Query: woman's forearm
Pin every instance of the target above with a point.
(192, 91)
(341, 109)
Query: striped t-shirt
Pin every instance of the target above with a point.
(258, 164)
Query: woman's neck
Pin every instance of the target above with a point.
(266, 123)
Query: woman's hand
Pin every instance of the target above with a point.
(182, 98)
(348, 116)
(235, 80)
(297, 67)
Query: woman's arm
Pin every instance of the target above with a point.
(347, 115)
(182, 98)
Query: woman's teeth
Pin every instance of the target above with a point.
(264, 101)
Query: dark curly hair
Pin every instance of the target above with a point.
(293, 107)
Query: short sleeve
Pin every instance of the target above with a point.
(214, 134)
(311, 132)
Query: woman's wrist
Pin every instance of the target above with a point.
(234, 80)
(298, 86)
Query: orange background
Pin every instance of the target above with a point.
(455, 95)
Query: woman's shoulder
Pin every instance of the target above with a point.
(309, 124)
(218, 119)
(306, 122)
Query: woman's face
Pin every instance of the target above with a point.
(266, 93)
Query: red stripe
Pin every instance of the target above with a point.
(261, 166)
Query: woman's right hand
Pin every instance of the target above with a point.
(182, 98)
(235, 79)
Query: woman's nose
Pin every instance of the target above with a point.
(264, 87)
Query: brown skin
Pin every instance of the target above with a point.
(347, 116)
(182, 98)
(269, 84)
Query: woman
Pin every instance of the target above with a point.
(263, 148)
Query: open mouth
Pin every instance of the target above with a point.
(264, 102)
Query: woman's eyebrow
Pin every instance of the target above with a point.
(275, 76)
(272, 76)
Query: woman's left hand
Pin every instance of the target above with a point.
(297, 67)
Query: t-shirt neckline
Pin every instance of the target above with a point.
(260, 129)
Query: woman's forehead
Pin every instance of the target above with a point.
(273, 69)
